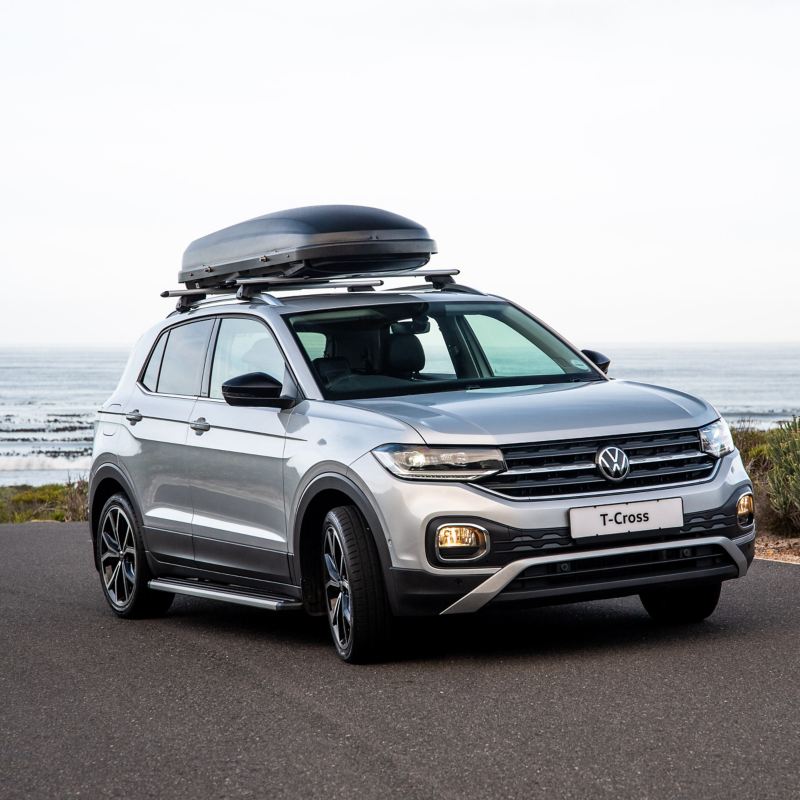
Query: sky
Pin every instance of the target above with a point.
(629, 171)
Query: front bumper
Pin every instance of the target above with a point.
(566, 577)
(614, 570)
(533, 559)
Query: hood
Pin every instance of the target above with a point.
(544, 413)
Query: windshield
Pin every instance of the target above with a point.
(438, 346)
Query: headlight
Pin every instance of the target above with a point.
(440, 463)
(716, 439)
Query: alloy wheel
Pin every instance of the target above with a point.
(337, 589)
(118, 556)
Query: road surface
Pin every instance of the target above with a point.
(583, 701)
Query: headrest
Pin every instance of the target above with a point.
(331, 368)
(404, 354)
(361, 348)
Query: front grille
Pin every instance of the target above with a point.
(702, 561)
(550, 469)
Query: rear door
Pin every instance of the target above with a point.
(157, 418)
(236, 458)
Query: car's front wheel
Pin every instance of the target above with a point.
(123, 568)
(682, 604)
(358, 612)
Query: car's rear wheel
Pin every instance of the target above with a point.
(123, 567)
(681, 605)
(358, 612)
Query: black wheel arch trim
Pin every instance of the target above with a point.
(112, 471)
(342, 484)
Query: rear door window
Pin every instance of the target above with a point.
(184, 358)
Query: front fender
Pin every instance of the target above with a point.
(340, 483)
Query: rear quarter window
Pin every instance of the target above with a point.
(150, 377)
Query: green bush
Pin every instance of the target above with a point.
(783, 479)
(752, 444)
(54, 501)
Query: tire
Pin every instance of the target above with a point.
(125, 588)
(681, 605)
(359, 617)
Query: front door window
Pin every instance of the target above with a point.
(244, 345)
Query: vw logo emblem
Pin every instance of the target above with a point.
(613, 463)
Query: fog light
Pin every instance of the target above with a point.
(457, 542)
(745, 510)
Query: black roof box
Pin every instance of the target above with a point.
(314, 241)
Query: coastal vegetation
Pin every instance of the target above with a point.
(60, 502)
(772, 458)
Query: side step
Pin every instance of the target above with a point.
(242, 598)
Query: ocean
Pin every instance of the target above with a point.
(49, 396)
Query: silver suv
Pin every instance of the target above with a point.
(369, 454)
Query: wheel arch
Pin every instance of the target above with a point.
(320, 496)
(107, 481)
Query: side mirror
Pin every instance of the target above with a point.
(255, 389)
(598, 359)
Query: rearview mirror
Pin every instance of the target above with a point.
(598, 359)
(255, 389)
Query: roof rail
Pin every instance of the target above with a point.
(188, 297)
(248, 288)
(459, 288)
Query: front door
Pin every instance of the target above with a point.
(236, 462)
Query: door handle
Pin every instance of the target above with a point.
(200, 425)
(133, 416)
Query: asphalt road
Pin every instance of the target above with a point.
(583, 701)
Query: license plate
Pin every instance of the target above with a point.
(648, 515)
